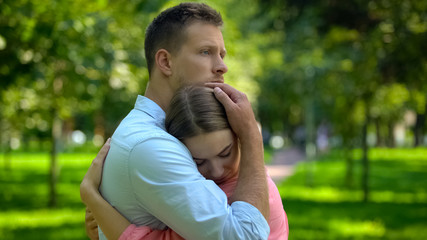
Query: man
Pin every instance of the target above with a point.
(149, 176)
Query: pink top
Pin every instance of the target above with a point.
(278, 222)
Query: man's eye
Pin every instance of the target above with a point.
(205, 52)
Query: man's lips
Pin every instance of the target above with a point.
(218, 80)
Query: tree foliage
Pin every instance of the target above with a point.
(78, 65)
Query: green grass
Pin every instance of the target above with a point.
(326, 210)
(24, 197)
(329, 210)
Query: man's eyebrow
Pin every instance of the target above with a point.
(212, 45)
(225, 149)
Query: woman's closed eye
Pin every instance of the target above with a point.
(226, 151)
(199, 162)
(224, 155)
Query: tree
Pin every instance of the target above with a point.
(56, 58)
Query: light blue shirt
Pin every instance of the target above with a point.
(150, 177)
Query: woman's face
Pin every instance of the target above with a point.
(216, 154)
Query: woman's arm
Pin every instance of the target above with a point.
(109, 219)
(91, 225)
(100, 212)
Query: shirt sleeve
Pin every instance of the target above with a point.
(167, 184)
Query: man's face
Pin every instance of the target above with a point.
(201, 57)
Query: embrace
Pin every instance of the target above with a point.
(187, 161)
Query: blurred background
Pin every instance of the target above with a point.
(339, 88)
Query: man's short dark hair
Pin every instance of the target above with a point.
(167, 31)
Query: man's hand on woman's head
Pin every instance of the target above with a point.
(252, 184)
(238, 108)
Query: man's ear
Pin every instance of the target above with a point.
(163, 61)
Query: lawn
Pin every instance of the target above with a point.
(329, 210)
(24, 197)
(326, 210)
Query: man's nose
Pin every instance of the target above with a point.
(220, 66)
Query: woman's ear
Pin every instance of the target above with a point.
(163, 61)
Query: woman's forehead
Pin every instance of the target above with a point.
(208, 144)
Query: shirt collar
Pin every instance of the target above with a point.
(151, 108)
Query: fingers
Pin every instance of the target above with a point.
(89, 216)
(102, 154)
(223, 98)
(91, 225)
(234, 94)
(225, 87)
(93, 176)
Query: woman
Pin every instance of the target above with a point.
(198, 120)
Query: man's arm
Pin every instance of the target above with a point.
(151, 178)
(174, 192)
(168, 185)
(252, 185)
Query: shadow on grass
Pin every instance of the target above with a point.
(24, 195)
(26, 189)
(329, 210)
(355, 220)
(404, 175)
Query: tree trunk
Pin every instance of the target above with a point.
(390, 137)
(418, 134)
(100, 125)
(54, 171)
(365, 160)
(7, 155)
(349, 166)
(310, 146)
(4, 134)
(419, 128)
(25, 142)
(380, 141)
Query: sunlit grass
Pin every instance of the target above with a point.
(24, 197)
(40, 218)
(349, 227)
(328, 209)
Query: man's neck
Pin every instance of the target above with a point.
(159, 95)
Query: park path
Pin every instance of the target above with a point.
(283, 163)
